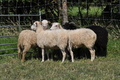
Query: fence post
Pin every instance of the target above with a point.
(39, 15)
(19, 23)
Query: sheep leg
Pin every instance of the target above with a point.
(71, 52)
(64, 55)
(26, 48)
(92, 52)
(42, 55)
(47, 53)
(19, 53)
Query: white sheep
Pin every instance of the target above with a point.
(45, 24)
(27, 39)
(55, 26)
(51, 39)
(80, 37)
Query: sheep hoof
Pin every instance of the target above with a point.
(42, 61)
(91, 60)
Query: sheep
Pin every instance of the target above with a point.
(45, 24)
(69, 26)
(27, 39)
(52, 39)
(102, 40)
(80, 37)
(55, 26)
(102, 37)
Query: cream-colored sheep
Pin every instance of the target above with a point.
(45, 24)
(78, 38)
(51, 39)
(27, 39)
(55, 26)
(82, 37)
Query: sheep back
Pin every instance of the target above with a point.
(27, 37)
(102, 35)
(83, 36)
(52, 38)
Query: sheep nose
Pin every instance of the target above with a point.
(44, 27)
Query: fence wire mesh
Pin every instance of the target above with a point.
(17, 15)
(10, 28)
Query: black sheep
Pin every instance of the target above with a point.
(102, 40)
(69, 25)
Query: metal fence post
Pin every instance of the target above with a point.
(19, 23)
(39, 15)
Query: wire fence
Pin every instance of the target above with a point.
(105, 12)
(16, 15)
(9, 33)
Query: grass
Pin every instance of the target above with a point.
(92, 11)
(8, 40)
(100, 69)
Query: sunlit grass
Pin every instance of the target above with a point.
(92, 11)
(101, 68)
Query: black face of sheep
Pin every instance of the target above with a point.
(102, 40)
(69, 25)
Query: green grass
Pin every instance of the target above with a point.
(92, 11)
(102, 68)
(8, 40)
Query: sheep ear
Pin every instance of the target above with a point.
(40, 22)
(49, 22)
(36, 24)
(60, 26)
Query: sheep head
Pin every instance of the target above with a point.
(34, 26)
(45, 24)
(70, 25)
(56, 26)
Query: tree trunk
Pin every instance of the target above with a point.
(60, 11)
(64, 11)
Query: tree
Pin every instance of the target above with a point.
(64, 11)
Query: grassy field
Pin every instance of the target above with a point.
(102, 68)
